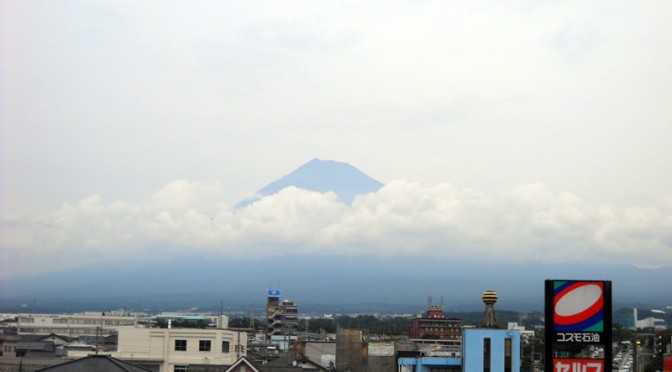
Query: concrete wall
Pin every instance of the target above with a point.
(351, 352)
(321, 352)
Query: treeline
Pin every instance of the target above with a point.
(389, 325)
(369, 323)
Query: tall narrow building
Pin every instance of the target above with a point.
(273, 314)
(282, 317)
(290, 317)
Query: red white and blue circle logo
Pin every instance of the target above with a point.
(578, 306)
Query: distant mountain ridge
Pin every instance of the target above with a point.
(322, 176)
(336, 281)
(181, 279)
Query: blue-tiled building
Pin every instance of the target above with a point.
(483, 349)
(427, 364)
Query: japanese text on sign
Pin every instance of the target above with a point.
(577, 337)
(578, 365)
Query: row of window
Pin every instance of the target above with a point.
(203, 345)
(116, 322)
(439, 329)
(80, 321)
(71, 331)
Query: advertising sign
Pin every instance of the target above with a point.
(578, 312)
(667, 363)
(578, 365)
(273, 293)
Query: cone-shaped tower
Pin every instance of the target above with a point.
(489, 317)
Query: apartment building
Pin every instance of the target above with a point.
(176, 349)
(72, 325)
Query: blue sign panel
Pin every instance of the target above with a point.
(273, 293)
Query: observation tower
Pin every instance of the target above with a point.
(489, 317)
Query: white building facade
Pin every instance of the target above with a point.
(72, 325)
(175, 349)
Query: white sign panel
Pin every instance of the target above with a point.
(381, 349)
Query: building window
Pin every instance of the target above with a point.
(225, 346)
(181, 368)
(486, 354)
(180, 345)
(204, 345)
(508, 360)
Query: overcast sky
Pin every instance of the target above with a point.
(543, 128)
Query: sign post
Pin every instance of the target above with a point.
(578, 314)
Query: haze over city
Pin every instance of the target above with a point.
(504, 133)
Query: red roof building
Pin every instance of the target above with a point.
(433, 325)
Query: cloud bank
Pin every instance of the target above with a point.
(529, 223)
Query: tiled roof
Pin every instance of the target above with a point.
(36, 345)
(99, 363)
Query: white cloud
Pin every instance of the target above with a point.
(531, 223)
(121, 97)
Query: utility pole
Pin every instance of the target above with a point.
(532, 357)
(238, 347)
(97, 339)
(252, 325)
(220, 321)
(635, 356)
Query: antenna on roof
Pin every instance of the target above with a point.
(252, 315)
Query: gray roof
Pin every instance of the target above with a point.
(39, 354)
(36, 338)
(9, 337)
(288, 362)
(207, 368)
(242, 361)
(36, 345)
(53, 335)
(99, 363)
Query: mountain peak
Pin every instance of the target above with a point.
(324, 176)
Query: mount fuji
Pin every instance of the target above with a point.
(174, 279)
(323, 176)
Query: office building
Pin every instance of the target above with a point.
(433, 325)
